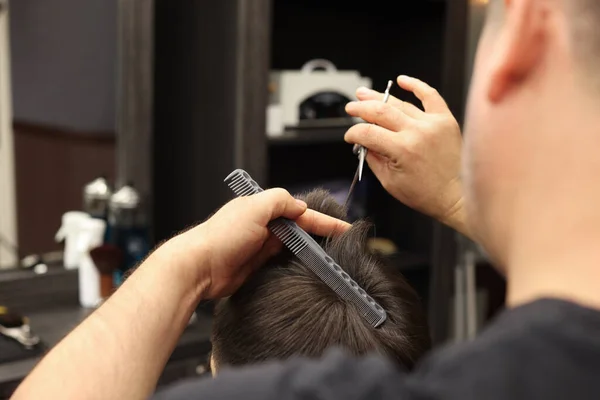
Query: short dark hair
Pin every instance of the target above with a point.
(284, 310)
(584, 18)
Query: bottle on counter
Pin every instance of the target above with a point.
(96, 196)
(91, 236)
(69, 232)
(128, 228)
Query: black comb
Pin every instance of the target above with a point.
(312, 255)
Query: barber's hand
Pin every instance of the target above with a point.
(220, 253)
(415, 154)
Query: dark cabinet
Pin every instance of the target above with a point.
(211, 74)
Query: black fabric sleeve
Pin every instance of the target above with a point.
(548, 349)
(336, 376)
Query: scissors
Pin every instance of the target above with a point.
(361, 151)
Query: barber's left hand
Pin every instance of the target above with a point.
(219, 254)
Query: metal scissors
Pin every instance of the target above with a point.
(361, 151)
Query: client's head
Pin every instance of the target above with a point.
(284, 310)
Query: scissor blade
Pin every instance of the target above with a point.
(351, 190)
(361, 162)
(361, 150)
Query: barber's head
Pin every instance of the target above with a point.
(284, 310)
(532, 143)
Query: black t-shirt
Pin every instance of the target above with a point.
(548, 349)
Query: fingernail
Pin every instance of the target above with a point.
(363, 90)
(301, 203)
(350, 105)
(404, 78)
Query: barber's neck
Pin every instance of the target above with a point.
(569, 269)
(554, 245)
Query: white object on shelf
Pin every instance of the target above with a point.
(70, 230)
(275, 125)
(8, 208)
(292, 87)
(91, 235)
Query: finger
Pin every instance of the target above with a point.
(363, 93)
(275, 203)
(407, 108)
(378, 113)
(431, 99)
(270, 248)
(374, 138)
(311, 221)
(321, 224)
(411, 110)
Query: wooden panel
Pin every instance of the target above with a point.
(253, 63)
(135, 94)
(52, 167)
(211, 75)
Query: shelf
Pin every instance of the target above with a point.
(308, 136)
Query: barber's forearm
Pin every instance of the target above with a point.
(120, 351)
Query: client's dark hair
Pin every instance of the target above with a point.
(284, 309)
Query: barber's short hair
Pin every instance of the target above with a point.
(284, 310)
(584, 18)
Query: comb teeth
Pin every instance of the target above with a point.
(241, 183)
(312, 255)
(288, 235)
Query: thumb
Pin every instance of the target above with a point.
(275, 203)
(378, 164)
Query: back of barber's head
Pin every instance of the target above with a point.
(284, 310)
(532, 130)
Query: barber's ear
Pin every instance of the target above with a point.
(519, 47)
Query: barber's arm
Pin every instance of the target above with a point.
(121, 349)
(415, 154)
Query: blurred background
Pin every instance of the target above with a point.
(119, 120)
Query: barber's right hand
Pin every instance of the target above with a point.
(415, 154)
